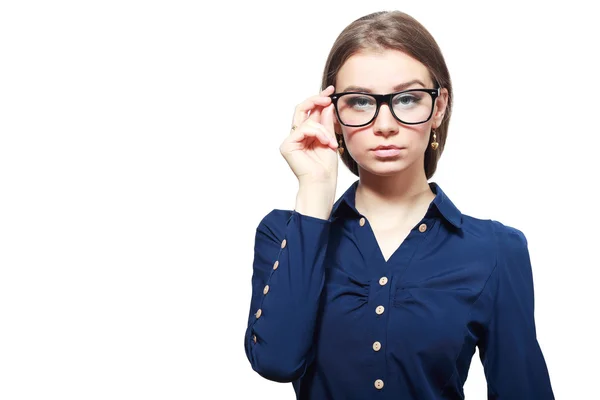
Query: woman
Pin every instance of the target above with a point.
(386, 292)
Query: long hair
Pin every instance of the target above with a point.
(393, 30)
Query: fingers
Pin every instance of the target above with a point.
(311, 107)
(315, 114)
(313, 130)
(308, 118)
(327, 121)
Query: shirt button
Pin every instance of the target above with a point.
(276, 265)
(254, 338)
(283, 243)
(376, 346)
(266, 289)
(379, 310)
(362, 221)
(422, 227)
(379, 384)
(383, 280)
(258, 313)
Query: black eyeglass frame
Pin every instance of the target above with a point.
(386, 98)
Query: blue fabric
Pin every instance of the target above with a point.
(460, 283)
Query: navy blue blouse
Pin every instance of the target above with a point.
(331, 315)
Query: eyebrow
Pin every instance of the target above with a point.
(396, 88)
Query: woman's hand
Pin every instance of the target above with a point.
(311, 148)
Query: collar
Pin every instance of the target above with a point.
(441, 204)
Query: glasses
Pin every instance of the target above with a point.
(411, 107)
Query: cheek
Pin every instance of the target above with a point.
(354, 138)
(357, 143)
(418, 137)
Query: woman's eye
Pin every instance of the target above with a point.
(361, 101)
(406, 100)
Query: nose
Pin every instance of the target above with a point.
(385, 123)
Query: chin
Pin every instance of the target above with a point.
(384, 168)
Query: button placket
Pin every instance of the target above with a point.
(380, 285)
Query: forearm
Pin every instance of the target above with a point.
(287, 283)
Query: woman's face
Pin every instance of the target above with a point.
(380, 72)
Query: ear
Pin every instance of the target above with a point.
(440, 107)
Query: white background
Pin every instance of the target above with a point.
(139, 151)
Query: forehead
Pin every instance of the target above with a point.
(380, 70)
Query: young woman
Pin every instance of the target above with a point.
(386, 292)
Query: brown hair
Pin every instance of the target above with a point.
(394, 30)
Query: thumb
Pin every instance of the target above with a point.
(327, 120)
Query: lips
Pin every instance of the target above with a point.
(389, 147)
(387, 151)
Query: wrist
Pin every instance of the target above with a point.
(315, 200)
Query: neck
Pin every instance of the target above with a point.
(393, 199)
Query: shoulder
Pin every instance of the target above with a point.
(511, 251)
(509, 254)
(507, 245)
(510, 241)
(496, 231)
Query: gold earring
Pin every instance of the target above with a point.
(340, 148)
(434, 144)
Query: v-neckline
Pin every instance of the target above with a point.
(373, 238)
(378, 246)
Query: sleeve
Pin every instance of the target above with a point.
(510, 353)
(287, 280)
